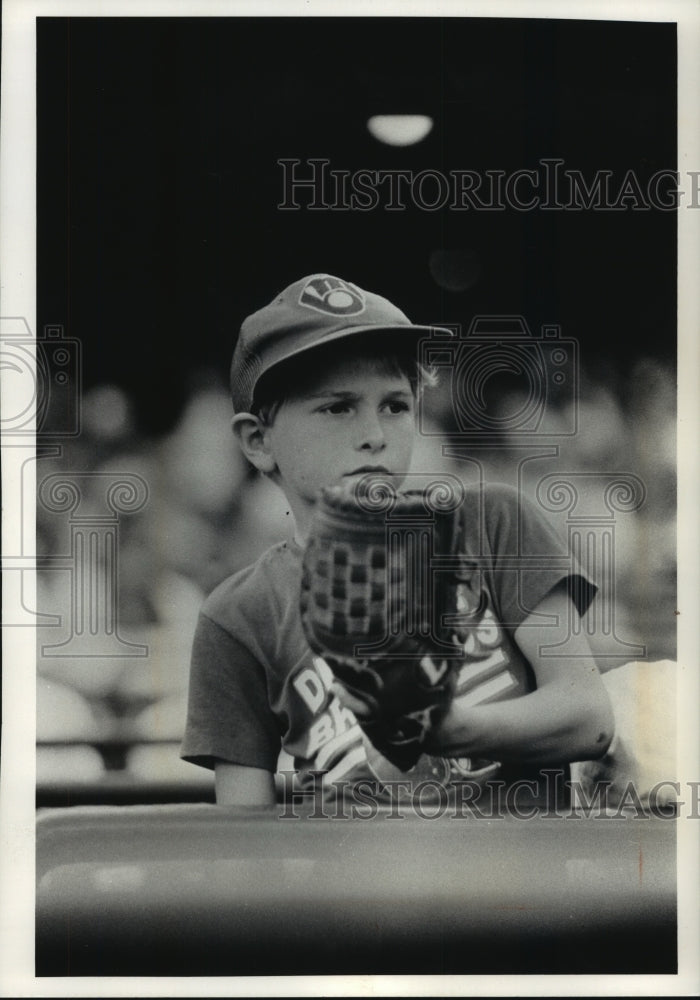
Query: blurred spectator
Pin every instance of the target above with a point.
(643, 751)
(64, 715)
(107, 415)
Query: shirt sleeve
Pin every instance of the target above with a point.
(529, 558)
(228, 714)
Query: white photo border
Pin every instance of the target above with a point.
(18, 267)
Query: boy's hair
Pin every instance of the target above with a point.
(286, 379)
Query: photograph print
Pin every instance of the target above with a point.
(354, 443)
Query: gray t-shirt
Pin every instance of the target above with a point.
(257, 688)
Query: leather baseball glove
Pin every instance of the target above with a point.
(379, 609)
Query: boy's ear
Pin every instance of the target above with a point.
(253, 439)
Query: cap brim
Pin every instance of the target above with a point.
(408, 331)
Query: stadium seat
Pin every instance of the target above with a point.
(205, 890)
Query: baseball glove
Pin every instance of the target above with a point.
(374, 607)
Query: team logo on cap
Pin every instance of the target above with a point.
(332, 296)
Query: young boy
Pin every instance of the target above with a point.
(325, 387)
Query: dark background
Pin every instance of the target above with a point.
(158, 182)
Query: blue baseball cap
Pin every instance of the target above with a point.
(313, 311)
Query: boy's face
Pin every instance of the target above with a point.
(356, 417)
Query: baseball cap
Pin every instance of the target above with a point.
(313, 311)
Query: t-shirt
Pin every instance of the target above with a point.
(256, 687)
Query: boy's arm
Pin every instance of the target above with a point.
(568, 717)
(238, 785)
(229, 717)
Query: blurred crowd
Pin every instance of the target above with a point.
(119, 717)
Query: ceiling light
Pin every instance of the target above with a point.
(400, 130)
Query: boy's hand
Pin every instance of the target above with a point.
(370, 609)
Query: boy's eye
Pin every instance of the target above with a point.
(398, 406)
(335, 408)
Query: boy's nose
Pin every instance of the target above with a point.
(371, 435)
